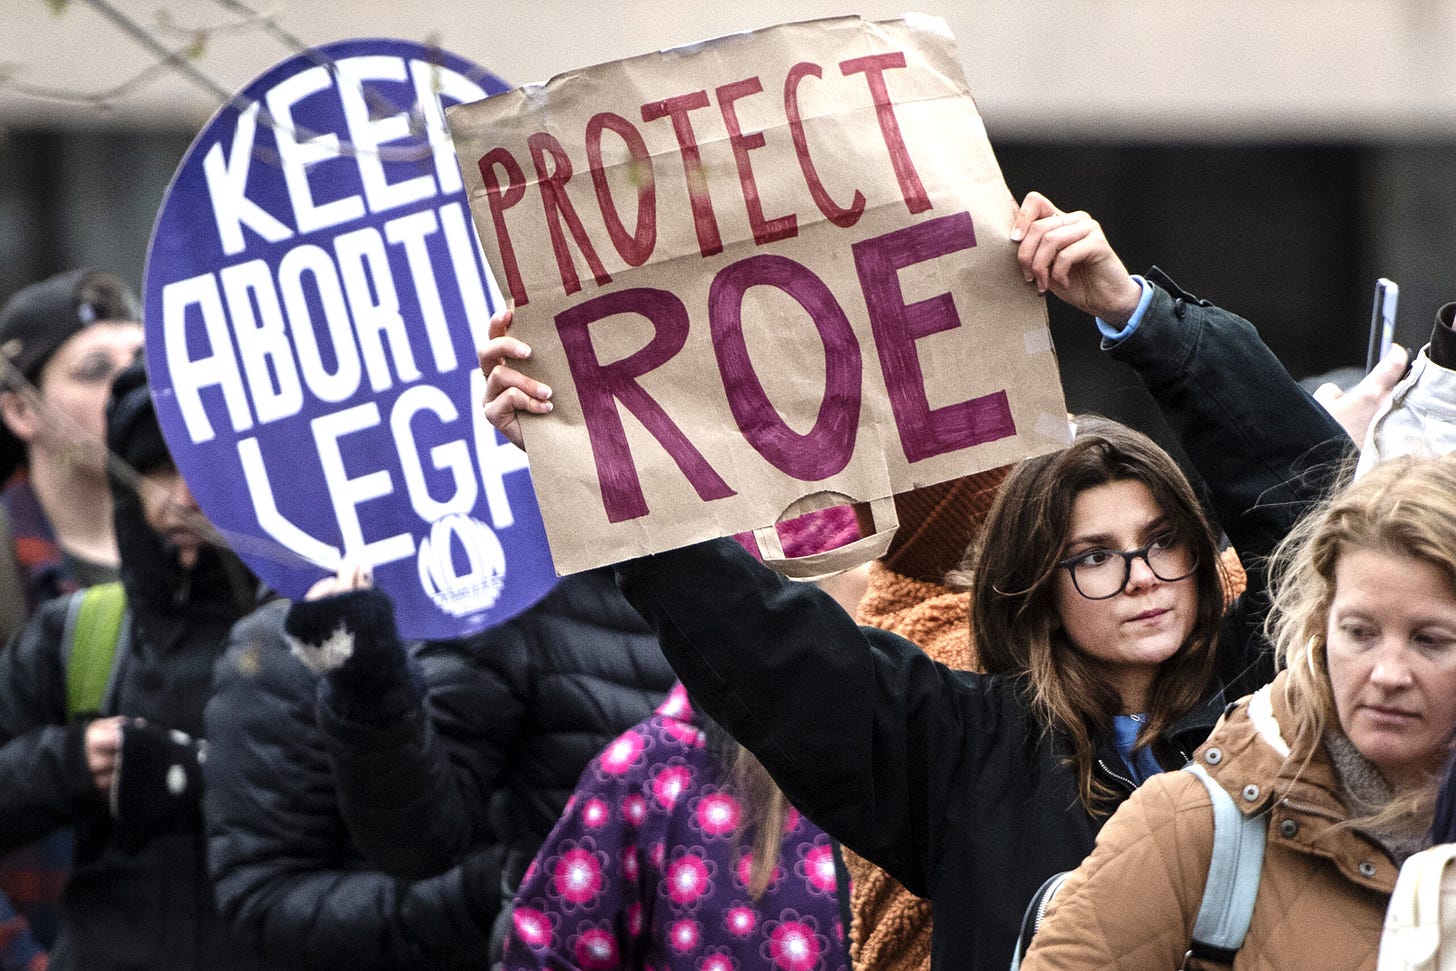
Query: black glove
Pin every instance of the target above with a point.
(350, 638)
(157, 785)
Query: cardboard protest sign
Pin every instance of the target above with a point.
(767, 266)
(314, 296)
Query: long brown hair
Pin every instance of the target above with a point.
(1014, 618)
(1405, 506)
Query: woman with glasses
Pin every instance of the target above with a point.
(1341, 754)
(1097, 610)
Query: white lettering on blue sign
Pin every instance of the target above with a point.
(317, 380)
(261, 333)
(227, 183)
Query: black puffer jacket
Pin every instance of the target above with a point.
(287, 875)
(507, 735)
(132, 901)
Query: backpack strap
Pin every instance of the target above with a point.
(94, 624)
(1233, 877)
(1228, 894)
(1035, 911)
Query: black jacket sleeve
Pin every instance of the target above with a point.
(285, 873)
(864, 733)
(44, 782)
(490, 749)
(1266, 449)
(415, 785)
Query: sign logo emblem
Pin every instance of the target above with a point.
(453, 541)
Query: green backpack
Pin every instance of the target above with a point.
(95, 625)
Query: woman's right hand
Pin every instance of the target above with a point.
(352, 575)
(508, 392)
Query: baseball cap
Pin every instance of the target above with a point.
(41, 317)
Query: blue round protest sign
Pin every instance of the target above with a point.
(315, 292)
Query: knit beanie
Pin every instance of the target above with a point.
(132, 431)
(939, 522)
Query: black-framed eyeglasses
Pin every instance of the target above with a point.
(1101, 574)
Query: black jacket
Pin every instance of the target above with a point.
(507, 733)
(287, 875)
(943, 778)
(125, 906)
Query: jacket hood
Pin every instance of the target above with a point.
(1254, 745)
(1265, 720)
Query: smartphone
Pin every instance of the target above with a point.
(1382, 322)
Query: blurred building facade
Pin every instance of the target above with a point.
(1275, 156)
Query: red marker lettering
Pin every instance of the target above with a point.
(829, 445)
(843, 218)
(764, 231)
(924, 431)
(874, 67)
(499, 202)
(552, 183)
(600, 386)
(706, 224)
(634, 247)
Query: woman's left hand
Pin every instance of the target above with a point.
(1068, 254)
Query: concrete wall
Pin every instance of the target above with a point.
(1165, 69)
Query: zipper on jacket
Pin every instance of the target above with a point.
(1310, 810)
(1043, 904)
(1119, 777)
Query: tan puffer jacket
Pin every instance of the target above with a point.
(1322, 898)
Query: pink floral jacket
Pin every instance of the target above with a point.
(648, 868)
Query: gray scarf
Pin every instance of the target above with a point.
(1366, 793)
